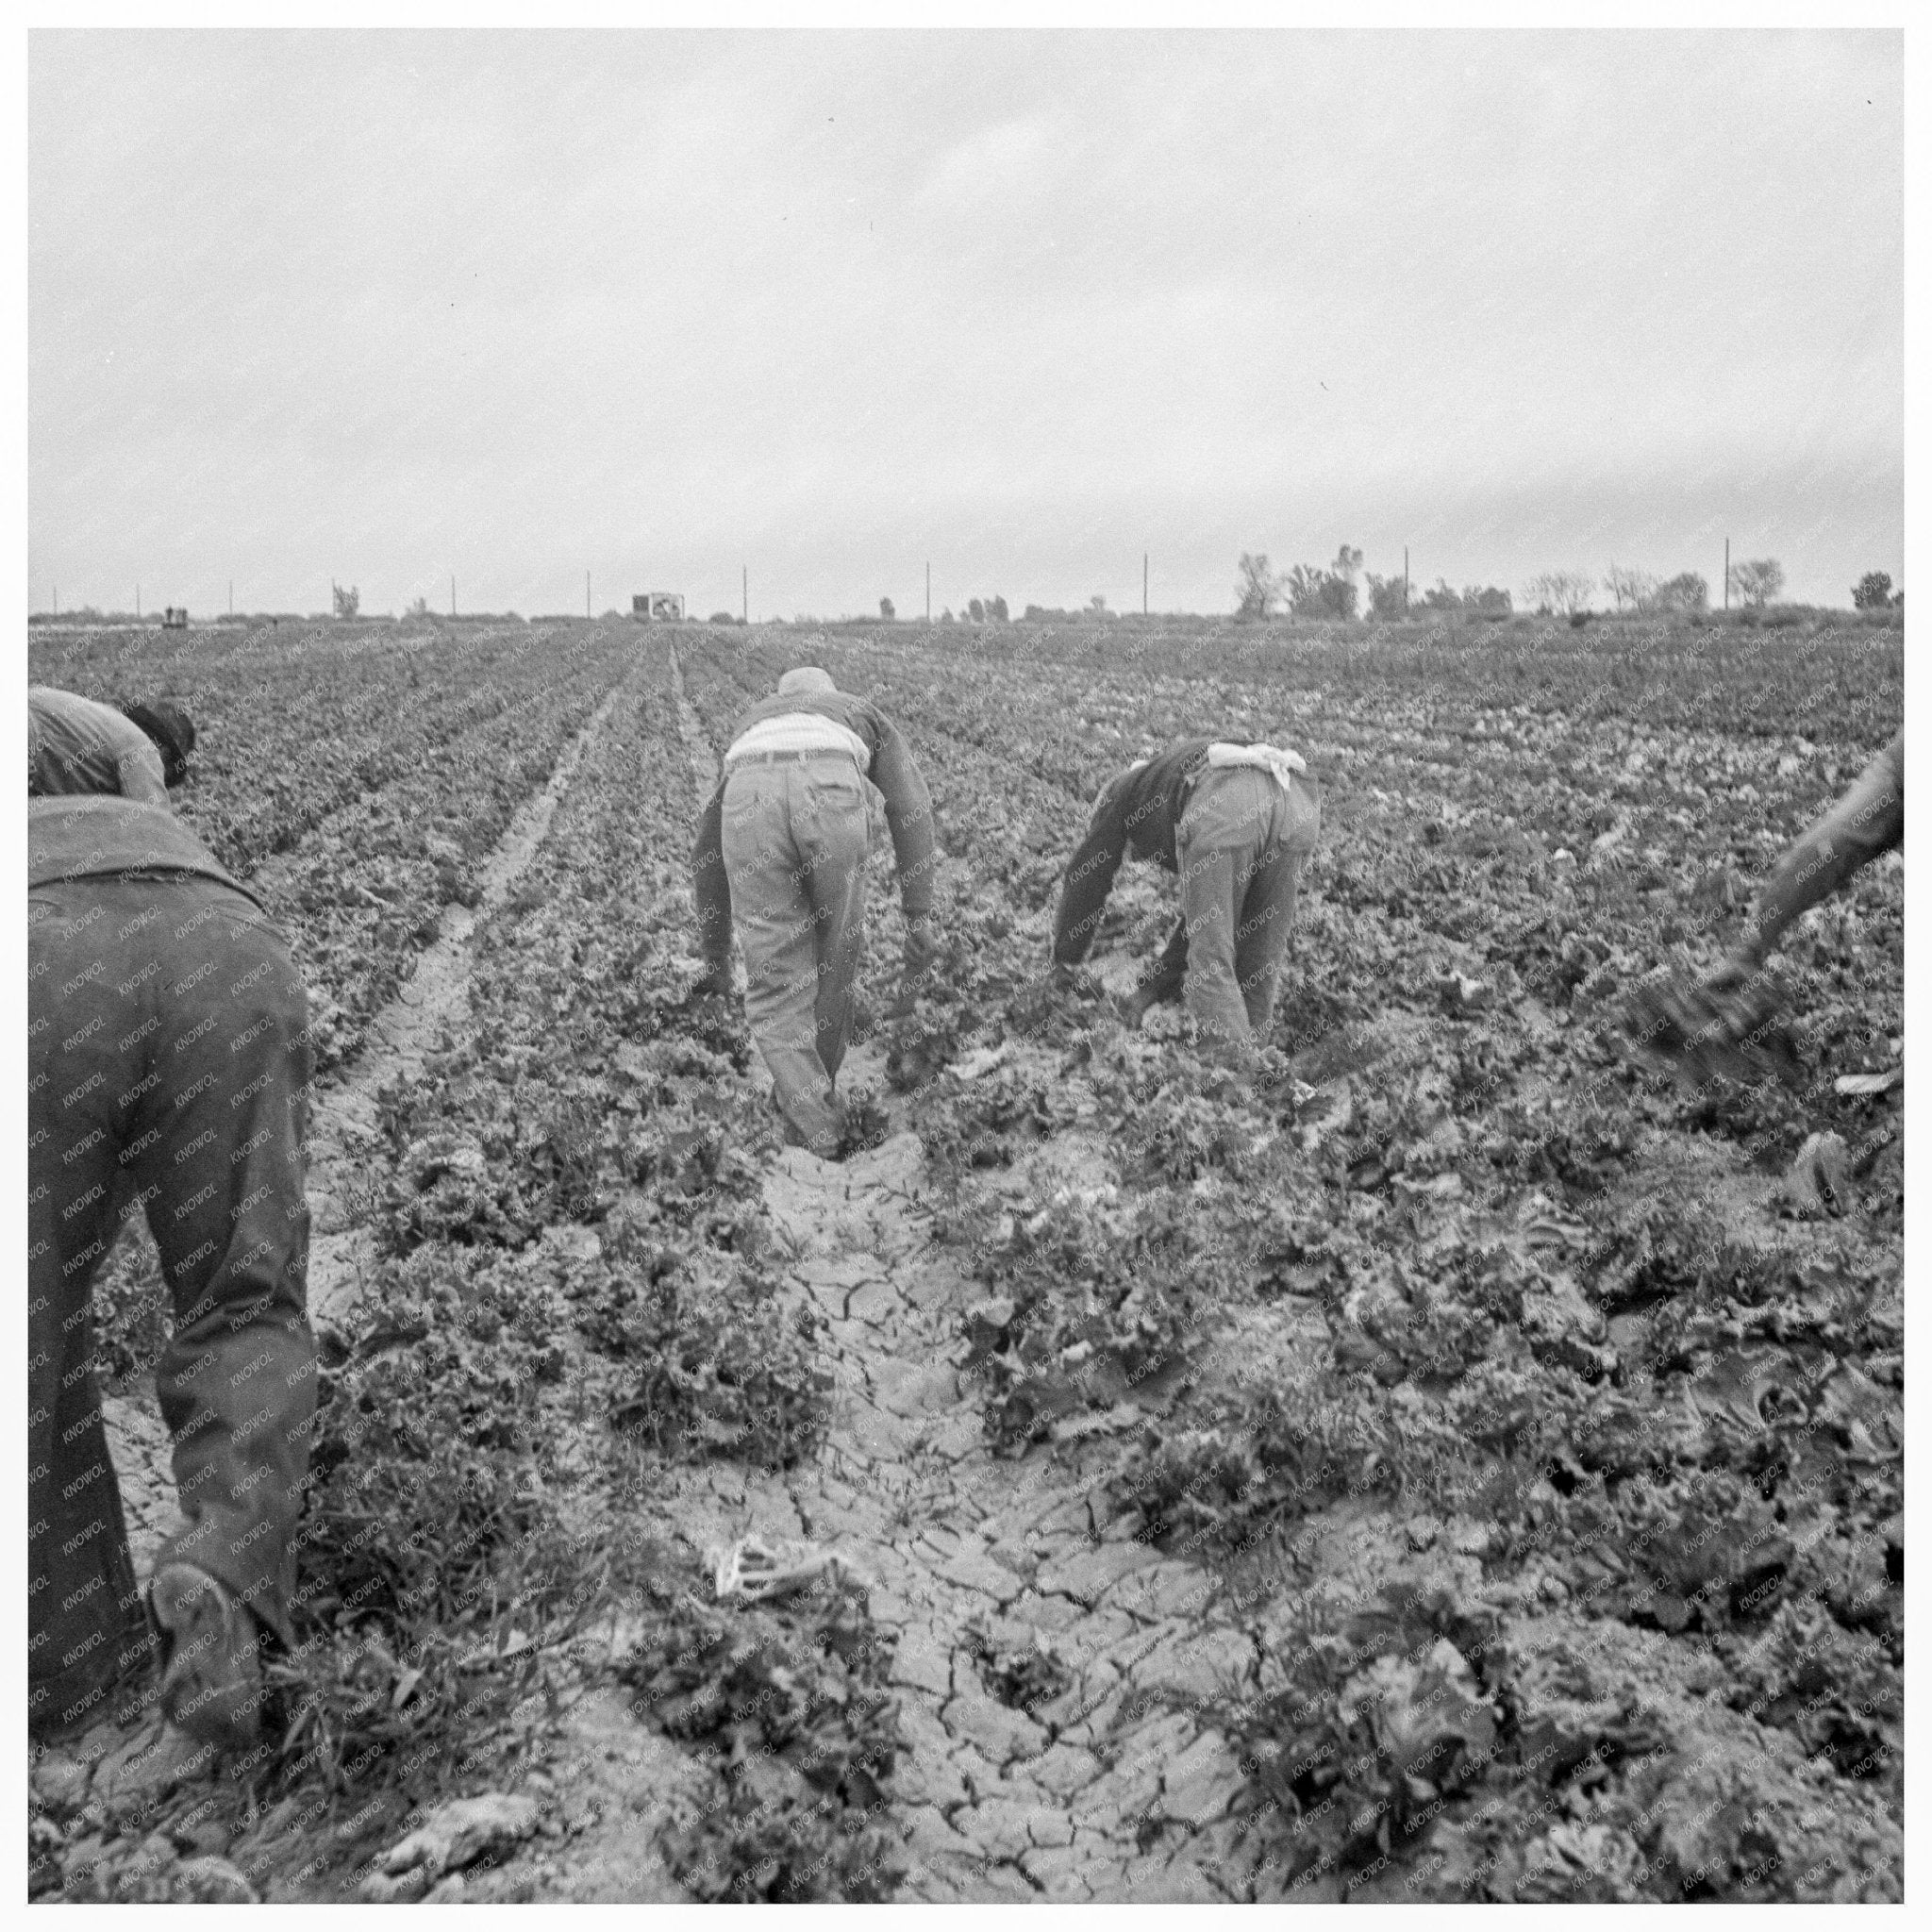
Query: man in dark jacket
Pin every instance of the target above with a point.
(167, 1047)
(1237, 822)
(781, 851)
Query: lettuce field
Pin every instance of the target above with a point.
(1468, 1465)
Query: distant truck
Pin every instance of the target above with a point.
(657, 607)
(174, 619)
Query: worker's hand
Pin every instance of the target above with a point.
(1703, 1030)
(921, 945)
(1073, 982)
(920, 966)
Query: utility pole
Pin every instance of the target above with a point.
(1727, 572)
(1404, 581)
(929, 593)
(744, 591)
(1143, 583)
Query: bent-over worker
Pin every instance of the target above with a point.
(167, 1047)
(1237, 822)
(781, 850)
(77, 744)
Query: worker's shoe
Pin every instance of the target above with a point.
(825, 1142)
(210, 1657)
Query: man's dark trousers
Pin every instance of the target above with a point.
(168, 1056)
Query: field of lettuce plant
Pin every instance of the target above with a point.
(1467, 1467)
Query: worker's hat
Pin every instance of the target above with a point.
(173, 731)
(804, 678)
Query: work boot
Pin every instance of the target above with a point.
(211, 1657)
(825, 1144)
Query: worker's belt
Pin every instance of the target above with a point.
(786, 757)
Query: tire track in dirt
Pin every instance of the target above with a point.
(1113, 1788)
(346, 1137)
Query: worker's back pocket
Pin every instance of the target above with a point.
(834, 785)
(1232, 806)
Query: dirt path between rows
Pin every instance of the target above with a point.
(1111, 1789)
(345, 1133)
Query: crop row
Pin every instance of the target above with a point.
(576, 1256)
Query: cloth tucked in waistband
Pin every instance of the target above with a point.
(802, 731)
(1267, 758)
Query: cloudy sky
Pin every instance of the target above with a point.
(386, 308)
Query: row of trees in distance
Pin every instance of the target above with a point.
(978, 610)
(1332, 590)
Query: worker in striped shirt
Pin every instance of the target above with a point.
(781, 852)
(1236, 824)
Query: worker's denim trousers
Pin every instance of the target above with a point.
(1241, 845)
(796, 838)
(168, 1061)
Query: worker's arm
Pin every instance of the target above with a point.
(1089, 879)
(1868, 820)
(711, 889)
(908, 814)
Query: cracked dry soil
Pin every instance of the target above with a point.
(1110, 1787)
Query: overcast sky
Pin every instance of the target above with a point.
(389, 308)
